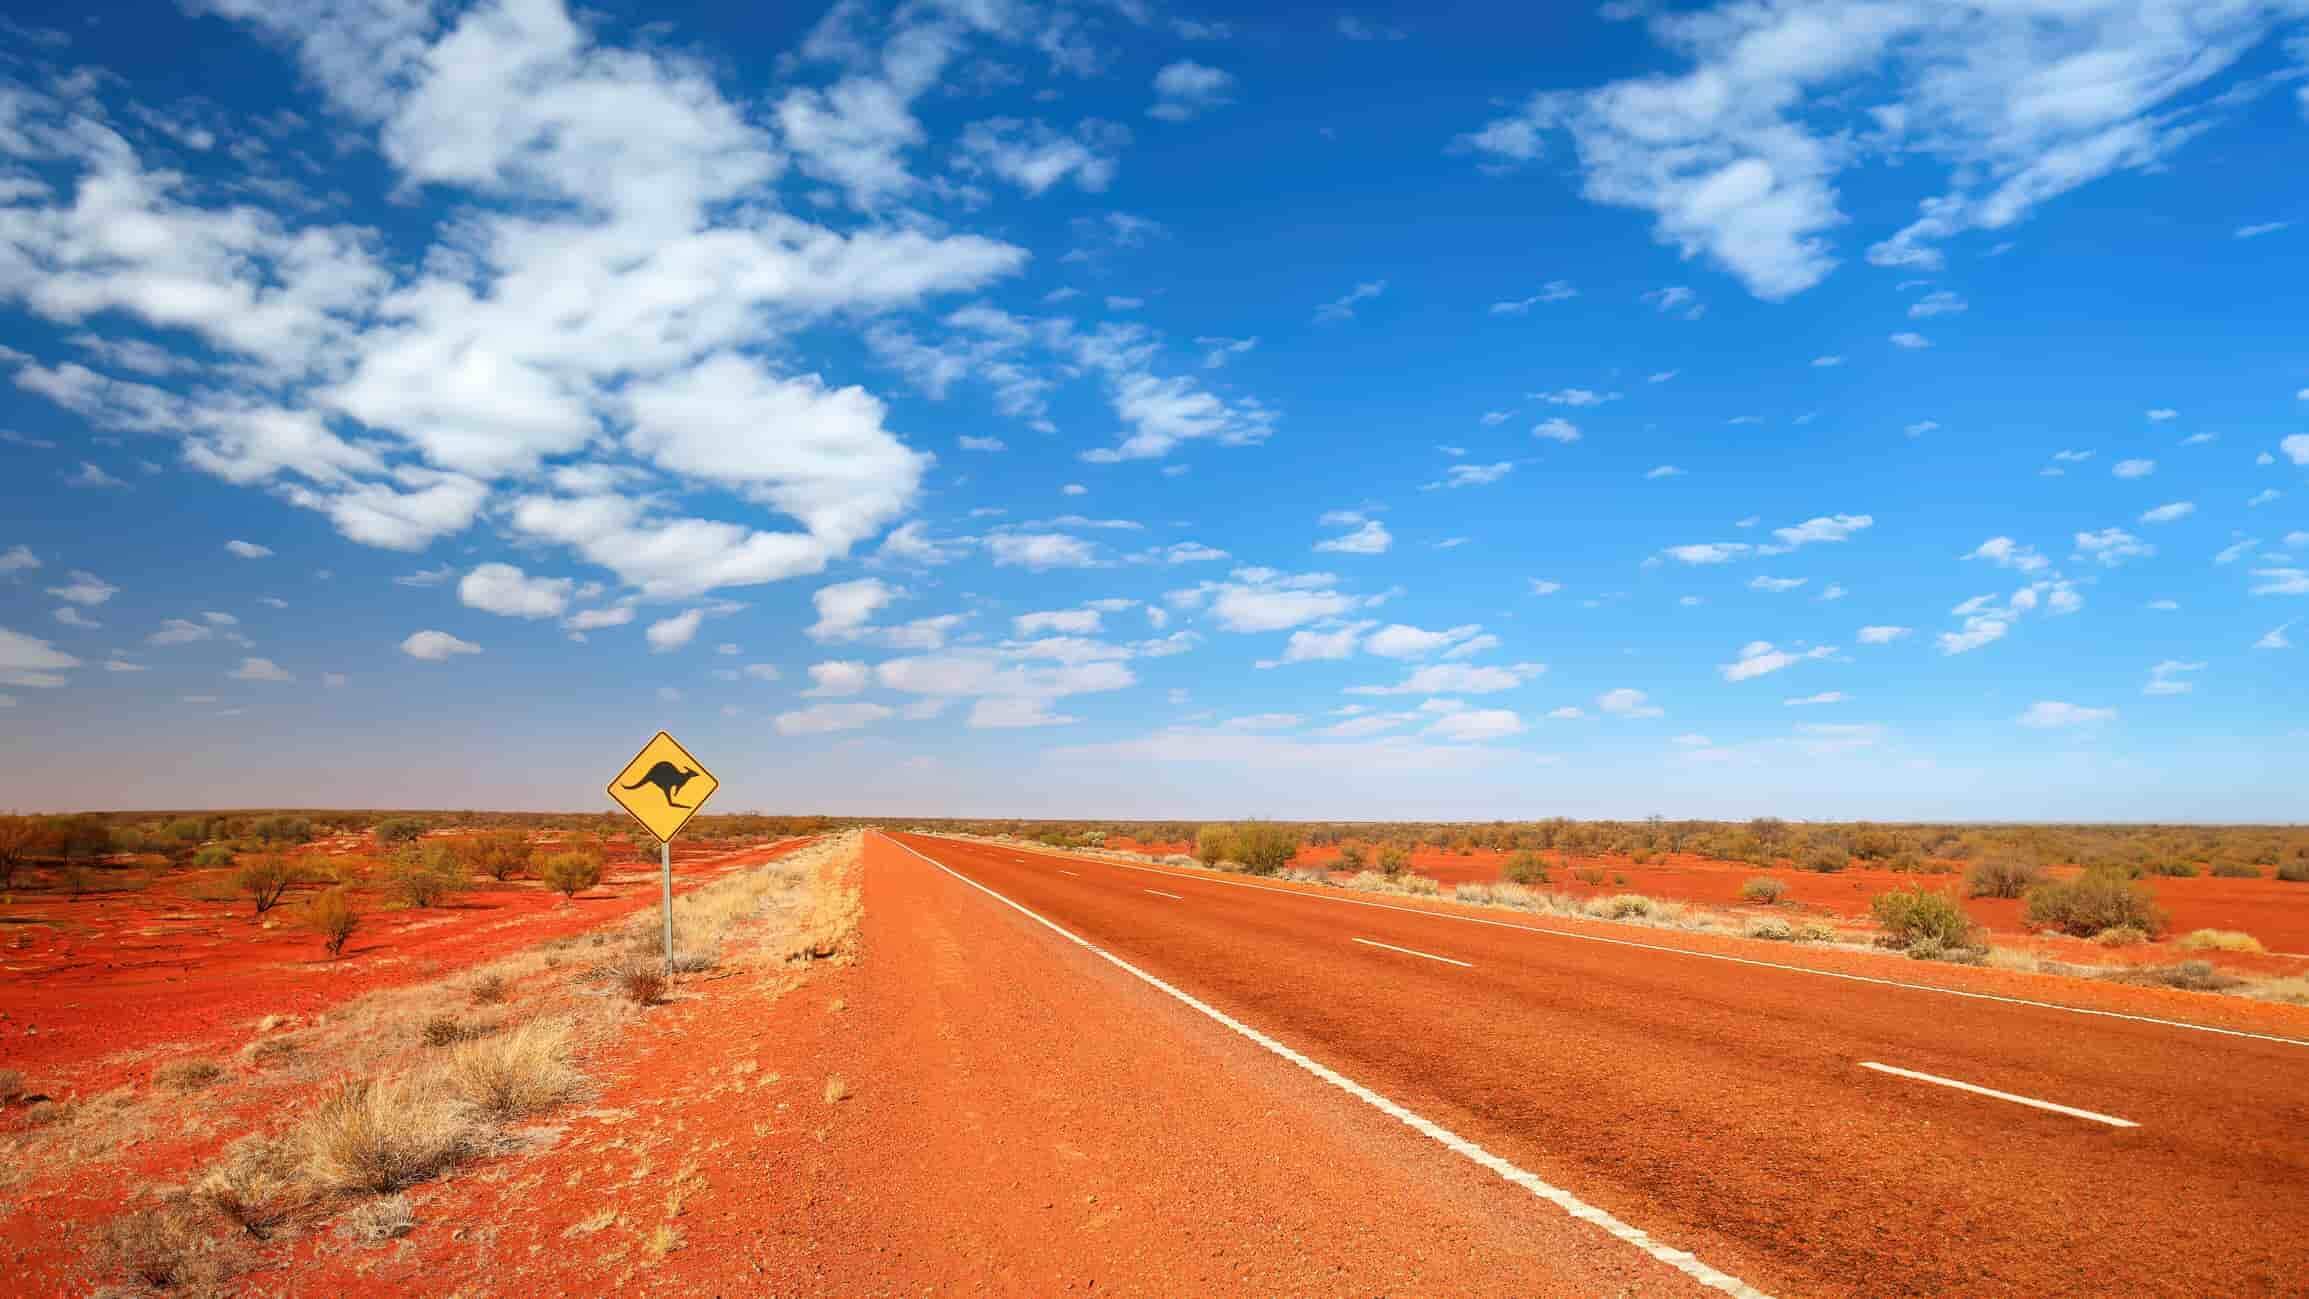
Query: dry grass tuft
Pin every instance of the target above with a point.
(515, 1074)
(188, 1075)
(164, 1249)
(256, 1187)
(2220, 940)
(2188, 976)
(2122, 936)
(379, 1136)
(488, 990)
(445, 1030)
(641, 979)
(379, 1220)
(1763, 890)
(837, 1090)
(11, 1086)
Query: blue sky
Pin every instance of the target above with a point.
(1826, 409)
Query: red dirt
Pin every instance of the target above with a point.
(1025, 1120)
(1722, 1107)
(92, 986)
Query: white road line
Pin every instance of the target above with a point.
(1467, 965)
(1978, 1090)
(1681, 1260)
(1172, 896)
(1076, 874)
(1718, 956)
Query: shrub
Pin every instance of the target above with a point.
(2179, 870)
(2121, 936)
(2220, 940)
(2188, 976)
(265, 879)
(379, 1220)
(1265, 847)
(1932, 949)
(445, 1030)
(1763, 890)
(78, 883)
(188, 1075)
(1826, 857)
(421, 877)
(1623, 905)
(2235, 870)
(1913, 916)
(399, 829)
(2101, 898)
(1588, 875)
(570, 873)
(331, 915)
(256, 1187)
(161, 1249)
(11, 1086)
(2294, 872)
(500, 855)
(641, 980)
(1394, 860)
(1778, 931)
(516, 1074)
(1214, 844)
(379, 1136)
(2001, 877)
(20, 838)
(488, 990)
(1351, 857)
(213, 854)
(1526, 867)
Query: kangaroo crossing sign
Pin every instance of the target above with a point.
(663, 787)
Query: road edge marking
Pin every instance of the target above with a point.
(1686, 951)
(1412, 951)
(1978, 1090)
(1683, 1261)
(1160, 894)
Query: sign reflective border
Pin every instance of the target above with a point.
(663, 787)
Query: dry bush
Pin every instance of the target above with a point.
(2188, 976)
(11, 1086)
(1588, 875)
(256, 1186)
(446, 1030)
(331, 915)
(1624, 905)
(641, 980)
(2121, 936)
(163, 1249)
(377, 1136)
(515, 1074)
(188, 1075)
(1777, 931)
(500, 854)
(1394, 859)
(2220, 940)
(1214, 844)
(488, 990)
(1527, 868)
(422, 875)
(2235, 870)
(42, 1114)
(2294, 872)
(379, 1220)
(1913, 918)
(265, 879)
(837, 1089)
(570, 873)
(2001, 877)
(1763, 890)
(2101, 898)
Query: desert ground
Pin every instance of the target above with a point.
(899, 1056)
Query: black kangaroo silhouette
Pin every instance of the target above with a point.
(668, 778)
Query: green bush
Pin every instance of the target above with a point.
(264, 879)
(500, 855)
(1913, 916)
(331, 915)
(2101, 898)
(570, 873)
(214, 854)
(1351, 857)
(1826, 857)
(1214, 844)
(2179, 870)
(399, 829)
(2235, 870)
(1763, 890)
(1394, 859)
(1265, 847)
(2294, 872)
(1526, 867)
(2001, 877)
(421, 877)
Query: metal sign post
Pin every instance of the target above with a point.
(651, 789)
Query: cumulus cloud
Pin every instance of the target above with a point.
(260, 669)
(2169, 512)
(2111, 546)
(670, 634)
(247, 549)
(1369, 537)
(1627, 702)
(1187, 89)
(1880, 634)
(2004, 552)
(1758, 658)
(838, 677)
(1556, 429)
(2134, 468)
(2052, 714)
(504, 589)
(1456, 679)
(30, 661)
(436, 646)
(1041, 550)
(825, 719)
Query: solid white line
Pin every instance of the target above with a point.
(1076, 874)
(1172, 896)
(1712, 956)
(1469, 965)
(1977, 1090)
(1681, 1260)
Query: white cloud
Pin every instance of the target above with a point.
(1012, 713)
(2275, 638)
(1826, 362)
(72, 617)
(672, 633)
(179, 631)
(1939, 302)
(1370, 538)
(1402, 641)
(1911, 340)
(1757, 658)
(1456, 679)
(2048, 714)
(1880, 634)
(1625, 702)
(911, 543)
(30, 661)
(2168, 678)
(1466, 475)
(969, 443)
(2281, 581)
(248, 549)
(2071, 457)
(2168, 513)
(824, 719)
(2161, 414)
(1035, 155)
(2235, 551)
(1775, 584)
(1263, 722)
(436, 646)
(1187, 89)
(1552, 291)
(1567, 713)
(1556, 429)
(1708, 552)
(1661, 376)
(18, 559)
(1574, 397)
(1921, 427)
(1824, 697)
(2261, 228)
(2296, 446)
(1475, 725)
(1041, 550)
(2112, 546)
(256, 669)
(594, 619)
(2134, 468)
(1343, 307)
(845, 609)
(2004, 552)
(761, 671)
(504, 589)
(1542, 586)
(86, 589)
(838, 677)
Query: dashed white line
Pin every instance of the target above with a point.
(1465, 965)
(1978, 1090)
(1576, 936)
(1076, 874)
(1172, 896)
(1681, 1260)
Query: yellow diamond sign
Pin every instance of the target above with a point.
(663, 787)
